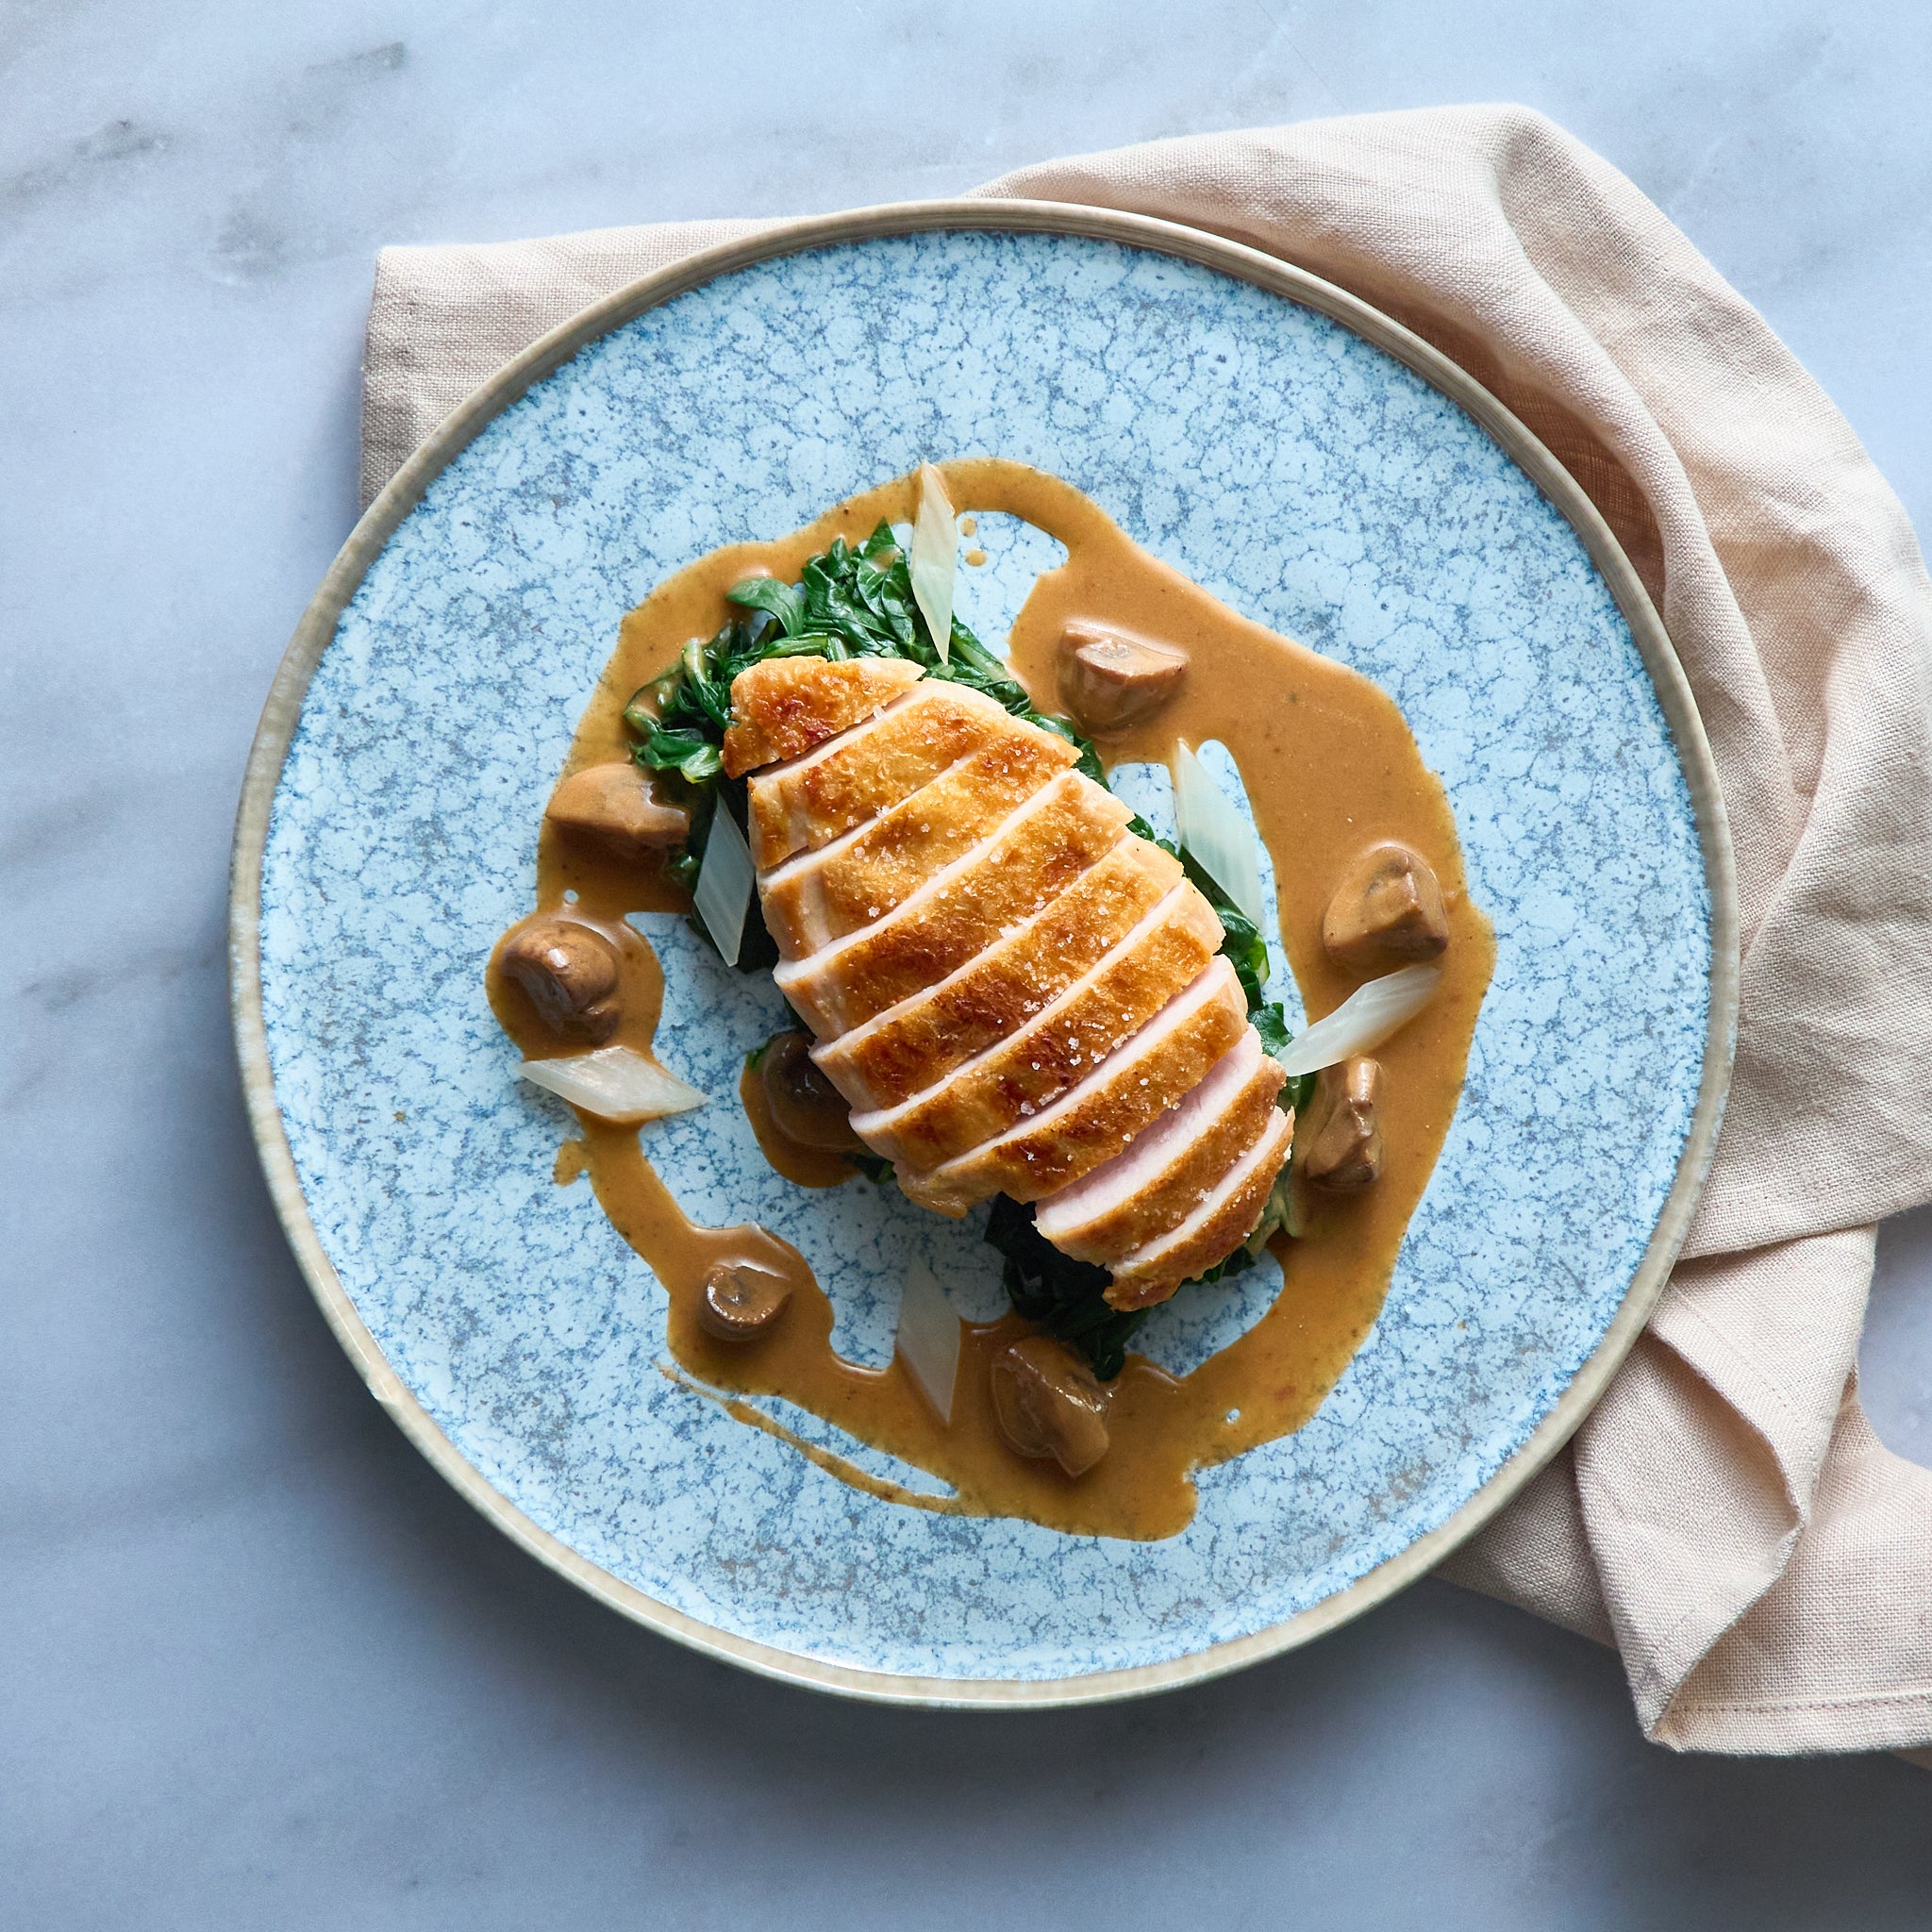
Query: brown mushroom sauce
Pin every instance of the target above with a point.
(1332, 769)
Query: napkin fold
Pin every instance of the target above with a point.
(1725, 1515)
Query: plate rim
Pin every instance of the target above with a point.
(282, 711)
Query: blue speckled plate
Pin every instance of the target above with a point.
(1309, 463)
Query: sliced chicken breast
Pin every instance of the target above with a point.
(1033, 858)
(786, 706)
(1212, 1232)
(1125, 1094)
(1167, 1172)
(823, 895)
(1016, 994)
(922, 1038)
(809, 801)
(1031, 1068)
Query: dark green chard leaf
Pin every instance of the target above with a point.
(686, 752)
(1063, 1295)
(767, 593)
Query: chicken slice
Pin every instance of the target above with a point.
(1164, 1176)
(809, 801)
(787, 705)
(922, 1038)
(1212, 1231)
(1033, 858)
(1030, 1069)
(823, 895)
(1125, 1094)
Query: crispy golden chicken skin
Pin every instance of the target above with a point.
(1053, 1051)
(786, 706)
(1040, 851)
(809, 801)
(821, 896)
(901, 1052)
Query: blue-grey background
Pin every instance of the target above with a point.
(260, 1667)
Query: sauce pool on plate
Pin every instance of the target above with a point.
(1331, 770)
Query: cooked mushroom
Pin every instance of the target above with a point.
(1048, 1406)
(804, 1105)
(570, 973)
(740, 1301)
(1344, 1149)
(615, 804)
(1388, 906)
(1110, 683)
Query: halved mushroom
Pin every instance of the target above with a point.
(1110, 682)
(1048, 1406)
(615, 804)
(570, 974)
(740, 1301)
(1344, 1147)
(804, 1105)
(1388, 906)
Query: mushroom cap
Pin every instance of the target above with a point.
(804, 1105)
(1344, 1148)
(1389, 906)
(1112, 682)
(615, 804)
(1048, 1406)
(740, 1300)
(571, 973)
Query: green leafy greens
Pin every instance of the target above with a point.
(856, 601)
(1066, 1297)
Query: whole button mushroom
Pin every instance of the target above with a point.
(1111, 683)
(1344, 1150)
(1048, 1406)
(570, 974)
(1389, 906)
(805, 1106)
(740, 1300)
(614, 804)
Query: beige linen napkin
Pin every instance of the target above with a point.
(1725, 1515)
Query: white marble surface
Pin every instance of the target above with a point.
(261, 1667)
